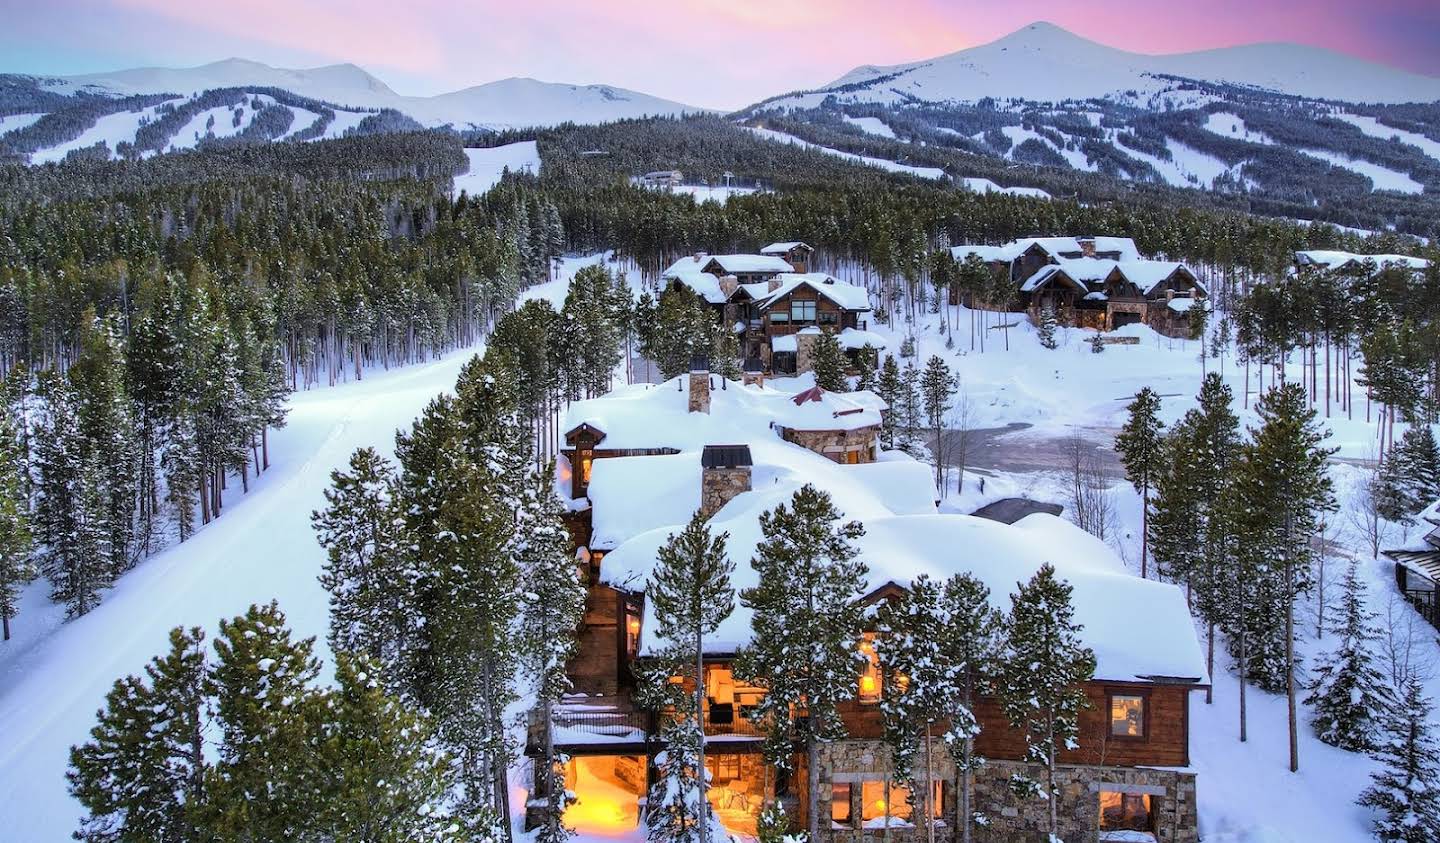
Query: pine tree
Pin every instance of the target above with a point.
(1045, 327)
(937, 391)
(889, 387)
(971, 638)
(1349, 695)
(911, 413)
(1139, 444)
(865, 360)
(829, 364)
(368, 571)
(554, 609)
(689, 595)
(17, 565)
(1040, 679)
(1215, 442)
(378, 779)
(1177, 523)
(674, 806)
(1281, 487)
(106, 427)
(806, 625)
(263, 784)
(142, 775)
(1406, 793)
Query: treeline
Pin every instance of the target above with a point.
(151, 334)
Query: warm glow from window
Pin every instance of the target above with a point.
(1127, 716)
(1125, 812)
(840, 803)
(633, 624)
(870, 675)
(606, 798)
(585, 463)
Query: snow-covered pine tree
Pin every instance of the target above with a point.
(674, 806)
(689, 595)
(910, 437)
(17, 564)
(1349, 695)
(937, 395)
(1394, 498)
(554, 609)
(971, 639)
(1215, 440)
(262, 786)
(1139, 444)
(1419, 456)
(866, 362)
(805, 626)
(1176, 521)
(143, 773)
(829, 364)
(106, 428)
(1406, 793)
(1040, 679)
(1281, 486)
(889, 387)
(917, 684)
(1046, 325)
(368, 569)
(376, 773)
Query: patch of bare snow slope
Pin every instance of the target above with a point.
(15, 122)
(262, 547)
(488, 165)
(219, 122)
(1383, 178)
(892, 166)
(112, 129)
(871, 126)
(1232, 126)
(1375, 129)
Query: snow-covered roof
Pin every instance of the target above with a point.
(750, 263)
(1125, 246)
(787, 343)
(846, 295)
(1137, 628)
(782, 248)
(655, 491)
(703, 284)
(988, 254)
(854, 338)
(1182, 304)
(1335, 259)
(1051, 272)
(649, 416)
(1147, 275)
(1059, 248)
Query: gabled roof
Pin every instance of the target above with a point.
(701, 283)
(989, 254)
(750, 263)
(1053, 273)
(1335, 259)
(1123, 246)
(782, 248)
(1148, 275)
(847, 296)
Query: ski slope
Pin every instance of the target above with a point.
(488, 165)
(262, 547)
(891, 166)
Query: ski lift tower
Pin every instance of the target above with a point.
(728, 176)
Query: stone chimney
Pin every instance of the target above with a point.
(724, 473)
(699, 385)
(774, 284)
(1087, 247)
(754, 373)
(805, 350)
(728, 285)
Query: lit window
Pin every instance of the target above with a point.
(802, 311)
(1127, 716)
(870, 674)
(1123, 814)
(840, 804)
(882, 805)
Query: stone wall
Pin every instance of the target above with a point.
(805, 352)
(836, 444)
(1010, 818)
(719, 485)
(699, 392)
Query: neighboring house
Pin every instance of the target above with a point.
(1349, 261)
(762, 299)
(798, 254)
(1101, 283)
(1417, 564)
(733, 452)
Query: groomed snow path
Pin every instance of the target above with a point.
(262, 547)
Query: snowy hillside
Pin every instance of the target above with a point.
(504, 103)
(1045, 63)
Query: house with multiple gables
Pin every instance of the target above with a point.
(1417, 564)
(1335, 260)
(773, 305)
(1101, 283)
(652, 455)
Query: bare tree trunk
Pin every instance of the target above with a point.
(704, 806)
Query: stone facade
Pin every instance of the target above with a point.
(719, 485)
(805, 352)
(837, 445)
(1011, 819)
(699, 392)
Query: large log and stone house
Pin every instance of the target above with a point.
(732, 452)
(1100, 283)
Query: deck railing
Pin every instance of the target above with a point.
(1424, 602)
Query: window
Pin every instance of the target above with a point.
(779, 316)
(1124, 814)
(829, 317)
(870, 674)
(886, 803)
(802, 311)
(840, 804)
(1127, 716)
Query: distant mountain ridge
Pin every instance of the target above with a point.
(1045, 63)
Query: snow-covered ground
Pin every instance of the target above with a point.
(892, 166)
(1375, 129)
(987, 186)
(1232, 126)
(716, 193)
(111, 128)
(262, 547)
(871, 126)
(488, 165)
(15, 122)
(1384, 178)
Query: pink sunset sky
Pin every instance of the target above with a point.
(716, 53)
